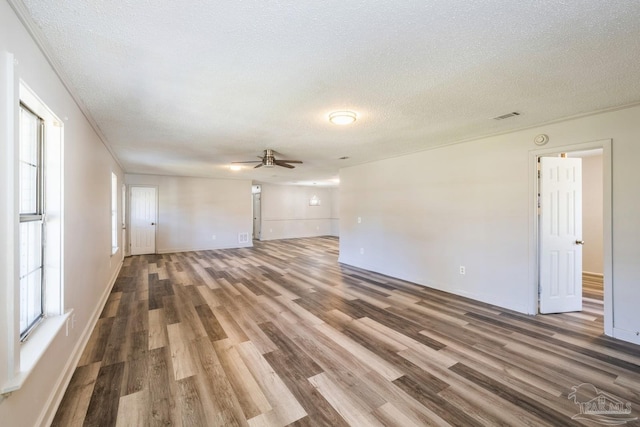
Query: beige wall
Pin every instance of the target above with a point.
(592, 232)
(286, 212)
(192, 210)
(424, 215)
(89, 267)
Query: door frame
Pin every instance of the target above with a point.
(534, 256)
(129, 223)
(258, 235)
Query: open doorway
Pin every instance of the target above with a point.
(592, 230)
(256, 193)
(595, 273)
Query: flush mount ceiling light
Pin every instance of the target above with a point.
(235, 167)
(342, 117)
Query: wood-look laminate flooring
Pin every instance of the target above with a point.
(282, 334)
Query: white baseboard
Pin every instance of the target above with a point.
(196, 249)
(46, 417)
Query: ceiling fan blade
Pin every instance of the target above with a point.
(284, 165)
(249, 161)
(258, 166)
(289, 161)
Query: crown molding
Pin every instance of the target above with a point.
(41, 41)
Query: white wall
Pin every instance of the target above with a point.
(286, 212)
(192, 210)
(592, 232)
(89, 267)
(426, 214)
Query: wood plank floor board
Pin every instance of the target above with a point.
(132, 410)
(111, 307)
(435, 403)
(285, 408)
(162, 409)
(74, 405)
(282, 334)
(251, 397)
(319, 411)
(97, 344)
(517, 398)
(103, 407)
(296, 359)
(220, 403)
(346, 405)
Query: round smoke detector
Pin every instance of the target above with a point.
(541, 139)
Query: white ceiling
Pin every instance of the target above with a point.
(185, 88)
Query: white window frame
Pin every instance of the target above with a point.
(36, 216)
(18, 359)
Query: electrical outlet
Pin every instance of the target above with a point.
(359, 220)
(213, 237)
(361, 251)
(463, 270)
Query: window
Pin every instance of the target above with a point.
(114, 213)
(31, 196)
(31, 247)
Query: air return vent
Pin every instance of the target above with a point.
(506, 116)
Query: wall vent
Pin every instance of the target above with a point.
(506, 116)
(243, 237)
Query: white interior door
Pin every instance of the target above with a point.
(143, 220)
(560, 234)
(257, 221)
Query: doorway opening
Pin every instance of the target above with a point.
(256, 193)
(595, 275)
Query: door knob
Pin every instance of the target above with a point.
(153, 223)
(579, 242)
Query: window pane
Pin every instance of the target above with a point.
(30, 273)
(29, 147)
(28, 189)
(30, 246)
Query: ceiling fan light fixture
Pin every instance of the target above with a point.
(342, 117)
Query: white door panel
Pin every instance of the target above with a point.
(143, 220)
(560, 235)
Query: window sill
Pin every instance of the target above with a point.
(32, 350)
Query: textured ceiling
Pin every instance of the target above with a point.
(185, 88)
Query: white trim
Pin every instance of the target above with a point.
(34, 348)
(9, 266)
(49, 411)
(196, 249)
(607, 159)
(22, 358)
(41, 41)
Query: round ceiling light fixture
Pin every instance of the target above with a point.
(342, 117)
